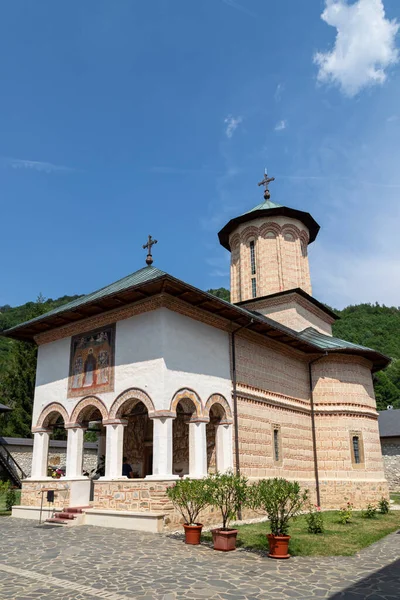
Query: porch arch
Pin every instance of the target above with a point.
(133, 395)
(187, 394)
(50, 414)
(219, 399)
(86, 407)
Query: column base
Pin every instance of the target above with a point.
(162, 477)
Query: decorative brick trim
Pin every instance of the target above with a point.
(89, 401)
(275, 403)
(131, 394)
(222, 401)
(54, 407)
(286, 300)
(186, 393)
(234, 241)
(268, 227)
(111, 316)
(248, 234)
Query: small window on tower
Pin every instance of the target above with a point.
(254, 287)
(276, 445)
(252, 258)
(357, 449)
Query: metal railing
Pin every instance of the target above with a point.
(8, 462)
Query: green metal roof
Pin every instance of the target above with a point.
(266, 205)
(327, 342)
(141, 276)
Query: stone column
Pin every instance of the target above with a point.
(162, 445)
(41, 438)
(197, 448)
(114, 448)
(224, 447)
(75, 451)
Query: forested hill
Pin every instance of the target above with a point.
(368, 324)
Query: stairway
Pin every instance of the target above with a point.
(9, 465)
(71, 516)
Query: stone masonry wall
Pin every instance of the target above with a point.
(391, 460)
(57, 457)
(31, 493)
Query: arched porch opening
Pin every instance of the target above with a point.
(138, 438)
(219, 434)
(49, 460)
(88, 416)
(183, 445)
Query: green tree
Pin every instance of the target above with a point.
(17, 381)
(221, 293)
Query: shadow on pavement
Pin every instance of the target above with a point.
(383, 584)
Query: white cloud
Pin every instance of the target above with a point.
(281, 125)
(364, 48)
(45, 167)
(278, 92)
(232, 123)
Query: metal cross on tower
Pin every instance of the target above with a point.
(265, 182)
(148, 246)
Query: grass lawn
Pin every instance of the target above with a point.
(395, 497)
(338, 539)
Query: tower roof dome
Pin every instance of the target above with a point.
(269, 209)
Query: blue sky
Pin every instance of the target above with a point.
(120, 119)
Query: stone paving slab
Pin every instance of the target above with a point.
(80, 563)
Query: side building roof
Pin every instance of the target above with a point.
(389, 423)
(150, 281)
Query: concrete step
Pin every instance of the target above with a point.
(56, 521)
(66, 515)
(75, 509)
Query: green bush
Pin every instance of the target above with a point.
(282, 500)
(227, 492)
(369, 512)
(384, 506)
(315, 520)
(345, 514)
(190, 497)
(11, 498)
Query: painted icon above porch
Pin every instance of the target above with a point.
(91, 366)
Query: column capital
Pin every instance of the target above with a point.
(41, 430)
(198, 420)
(122, 422)
(75, 426)
(162, 414)
(225, 422)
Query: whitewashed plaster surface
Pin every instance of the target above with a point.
(159, 352)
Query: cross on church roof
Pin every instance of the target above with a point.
(265, 182)
(148, 246)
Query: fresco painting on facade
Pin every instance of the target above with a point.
(92, 362)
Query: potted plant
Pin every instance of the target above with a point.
(190, 497)
(281, 500)
(228, 492)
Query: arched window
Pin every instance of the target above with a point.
(357, 448)
(254, 287)
(252, 258)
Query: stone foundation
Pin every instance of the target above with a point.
(31, 493)
(335, 494)
(391, 460)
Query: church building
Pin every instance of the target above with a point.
(183, 383)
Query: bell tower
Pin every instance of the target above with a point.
(269, 256)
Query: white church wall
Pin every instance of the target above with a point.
(196, 356)
(159, 352)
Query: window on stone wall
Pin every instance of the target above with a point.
(276, 444)
(357, 448)
(252, 258)
(254, 287)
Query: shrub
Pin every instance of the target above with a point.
(229, 493)
(315, 520)
(384, 506)
(346, 513)
(282, 500)
(369, 512)
(11, 498)
(190, 497)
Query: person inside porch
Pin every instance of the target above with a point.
(126, 468)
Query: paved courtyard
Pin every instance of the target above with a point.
(82, 563)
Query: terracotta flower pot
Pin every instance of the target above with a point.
(193, 533)
(278, 545)
(224, 540)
